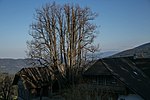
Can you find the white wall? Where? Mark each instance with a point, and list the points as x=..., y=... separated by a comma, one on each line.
x=130, y=97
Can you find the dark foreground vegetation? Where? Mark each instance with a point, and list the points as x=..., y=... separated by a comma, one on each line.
x=7, y=90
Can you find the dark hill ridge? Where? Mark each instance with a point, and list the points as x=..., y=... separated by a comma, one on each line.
x=142, y=51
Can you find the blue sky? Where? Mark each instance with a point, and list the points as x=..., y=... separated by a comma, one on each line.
x=123, y=24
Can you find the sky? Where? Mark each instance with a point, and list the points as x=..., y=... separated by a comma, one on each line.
x=123, y=24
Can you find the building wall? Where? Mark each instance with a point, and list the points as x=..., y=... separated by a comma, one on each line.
x=130, y=97
x=104, y=87
x=22, y=92
x=34, y=92
x=105, y=80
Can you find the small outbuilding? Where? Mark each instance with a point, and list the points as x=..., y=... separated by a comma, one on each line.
x=35, y=82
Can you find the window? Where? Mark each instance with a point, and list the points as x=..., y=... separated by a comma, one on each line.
x=101, y=80
x=110, y=80
x=121, y=99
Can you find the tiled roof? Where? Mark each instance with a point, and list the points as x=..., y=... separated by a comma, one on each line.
x=34, y=77
x=97, y=69
x=144, y=65
x=126, y=71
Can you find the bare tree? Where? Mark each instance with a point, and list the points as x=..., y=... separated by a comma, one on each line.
x=61, y=35
x=6, y=89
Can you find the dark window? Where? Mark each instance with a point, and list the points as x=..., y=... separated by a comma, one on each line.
x=111, y=81
x=55, y=87
x=122, y=99
x=101, y=80
x=45, y=91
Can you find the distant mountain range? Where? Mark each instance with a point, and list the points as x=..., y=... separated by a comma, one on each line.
x=142, y=51
x=12, y=66
x=107, y=54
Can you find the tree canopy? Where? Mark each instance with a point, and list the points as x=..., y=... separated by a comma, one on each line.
x=61, y=37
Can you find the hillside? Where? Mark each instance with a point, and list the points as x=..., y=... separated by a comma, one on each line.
x=11, y=66
x=142, y=51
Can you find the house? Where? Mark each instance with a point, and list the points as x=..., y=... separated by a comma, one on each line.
x=118, y=78
x=35, y=82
